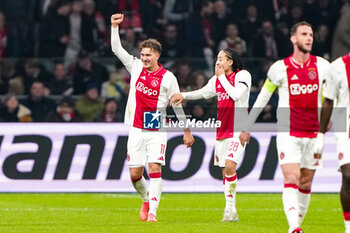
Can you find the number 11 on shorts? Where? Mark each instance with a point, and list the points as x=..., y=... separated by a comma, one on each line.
x=162, y=149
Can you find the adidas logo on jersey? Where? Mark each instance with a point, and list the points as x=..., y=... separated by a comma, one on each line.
x=219, y=86
x=294, y=77
x=161, y=158
x=143, y=77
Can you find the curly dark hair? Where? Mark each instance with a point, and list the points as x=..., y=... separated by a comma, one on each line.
x=232, y=54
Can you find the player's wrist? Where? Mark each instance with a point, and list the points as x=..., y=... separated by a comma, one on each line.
x=187, y=131
x=320, y=136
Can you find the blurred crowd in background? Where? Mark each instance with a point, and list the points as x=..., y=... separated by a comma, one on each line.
x=56, y=64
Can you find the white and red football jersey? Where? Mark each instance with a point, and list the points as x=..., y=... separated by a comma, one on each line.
x=338, y=84
x=299, y=89
x=232, y=104
x=149, y=91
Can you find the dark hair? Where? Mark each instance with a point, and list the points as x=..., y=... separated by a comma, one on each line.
x=237, y=59
x=67, y=100
x=153, y=44
x=295, y=27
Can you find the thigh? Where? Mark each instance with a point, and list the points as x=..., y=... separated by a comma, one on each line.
x=136, y=148
x=291, y=173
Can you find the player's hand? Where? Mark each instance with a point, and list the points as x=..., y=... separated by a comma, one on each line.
x=188, y=138
x=64, y=39
x=116, y=19
x=244, y=137
x=176, y=99
x=219, y=70
x=318, y=146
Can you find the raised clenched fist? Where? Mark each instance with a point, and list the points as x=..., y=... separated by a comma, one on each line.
x=117, y=19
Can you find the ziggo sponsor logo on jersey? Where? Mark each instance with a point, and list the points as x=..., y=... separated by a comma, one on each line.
x=223, y=96
x=146, y=90
x=297, y=89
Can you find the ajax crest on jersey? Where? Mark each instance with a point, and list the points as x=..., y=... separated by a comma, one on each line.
x=312, y=75
x=154, y=83
x=151, y=120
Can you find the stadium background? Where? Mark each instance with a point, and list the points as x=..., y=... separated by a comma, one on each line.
x=56, y=52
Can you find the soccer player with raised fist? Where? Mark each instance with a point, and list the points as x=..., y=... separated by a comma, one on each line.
x=150, y=89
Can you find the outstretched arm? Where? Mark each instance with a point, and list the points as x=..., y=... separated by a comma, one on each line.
x=206, y=92
x=263, y=98
x=117, y=48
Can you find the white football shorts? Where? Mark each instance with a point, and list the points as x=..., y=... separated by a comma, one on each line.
x=146, y=146
x=228, y=149
x=292, y=149
x=343, y=148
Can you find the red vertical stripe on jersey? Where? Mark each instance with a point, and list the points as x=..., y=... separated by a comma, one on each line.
x=226, y=109
x=147, y=93
x=346, y=60
x=303, y=85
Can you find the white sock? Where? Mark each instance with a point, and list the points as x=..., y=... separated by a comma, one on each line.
x=230, y=192
x=304, y=201
x=155, y=191
x=347, y=226
x=347, y=221
x=290, y=204
x=140, y=186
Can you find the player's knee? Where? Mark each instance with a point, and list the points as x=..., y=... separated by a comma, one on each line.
x=154, y=168
x=135, y=177
x=291, y=179
x=306, y=185
x=230, y=169
x=136, y=173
